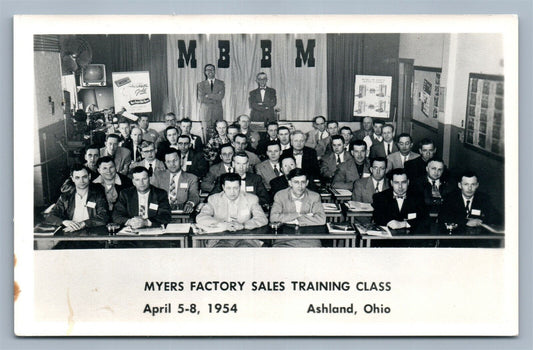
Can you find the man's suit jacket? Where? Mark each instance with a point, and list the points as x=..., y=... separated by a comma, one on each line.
x=328, y=164
x=210, y=180
x=347, y=174
x=415, y=168
x=262, y=147
x=360, y=134
x=65, y=205
x=254, y=185
x=414, y=210
x=125, y=182
x=378, y=150
x=127, y=206
x=196, y=164
x=422, y=187
x=394, y=160
x=363, y=189
x=210, y=101
x=280, y=183
x=249, y=212
x=253, y=140
x=253, y=160
x=187, y=189
x=284, y=208
x=157, y=165
x=162, y=148
x=262, y=111
x=265, y=170
x=150, y=135
x=122, y=159
x=313, y=137
x=323, y=147
x=453, y=210
x=196, y=143
x=309, y=161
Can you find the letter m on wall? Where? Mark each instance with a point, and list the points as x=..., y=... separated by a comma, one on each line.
x=187, y=55
x=307, y=56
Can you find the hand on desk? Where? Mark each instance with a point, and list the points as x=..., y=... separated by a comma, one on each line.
x=71, y=226
x=137, y=222
x=395, y=224
x=234, y=226
x=188, y=208
x=474, y=222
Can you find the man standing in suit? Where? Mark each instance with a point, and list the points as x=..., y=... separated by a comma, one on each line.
x=191, y=161
x=262, y=101
x=305, y=157
x=467, y=207
x=149, y=160
x=182, y=187
x=387, y=146
x=233, y=210
x=318, y=133
x=240, y=142
x=366, y=129
x=270, y=168
x=416, y=168
x=225, y=166
x=355, y=168
x=210, y=93
x=398, y=159
x=433, y=187
x=111, y=181
x=196, y=141
x=121, y=155
x=331, y=162
x=365, y=188
x=399, y=208
x=142, y=205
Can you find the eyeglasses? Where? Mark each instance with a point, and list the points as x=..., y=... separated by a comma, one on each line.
x=148, y=150
x=184, y=143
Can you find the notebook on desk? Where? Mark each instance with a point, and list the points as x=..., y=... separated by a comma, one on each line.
x=341, y=192
x=359, y=206
x=150, y=231
x=331, y=208
x=46, y=229
x=371, y=229
x=178, y=228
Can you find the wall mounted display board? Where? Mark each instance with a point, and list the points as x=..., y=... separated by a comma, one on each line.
x=131, y=90
x=372, y=96
x=426, y=95
x=484, y=129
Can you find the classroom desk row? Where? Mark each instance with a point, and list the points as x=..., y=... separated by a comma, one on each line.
x=400, y=238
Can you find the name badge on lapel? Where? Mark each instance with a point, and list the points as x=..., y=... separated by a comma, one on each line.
x=153, y=206
x=184, y=185
x=249, y=188
x=366, y=175
x=91, y=205
x=476, y=212
x=411, y=216
x=189, y=162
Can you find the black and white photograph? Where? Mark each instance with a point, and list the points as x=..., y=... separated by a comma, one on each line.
x=153, y=150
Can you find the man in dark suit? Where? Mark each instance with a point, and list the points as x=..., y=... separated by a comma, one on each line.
x=111, y=182
x=251, y=183
x=210, y=93
x=191, y=161
x=433, y=187
x=331, y=162
x=365, y=188
x=416, y=168
x=323, y=146
x=170, y=140
x=306, y=158
x=196, y=141
x=262, y=101
x=225, y=166
x=287, y=163
x=355, y=168
x=142, y=205
x=468, y=207
x=271, y=135
x=121, y=155
x=366, y=129
x=387, y=146
x=399, y=208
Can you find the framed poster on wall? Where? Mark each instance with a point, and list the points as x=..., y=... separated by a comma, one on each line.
x=484, y=129
x=131, y=90
x=426, y=95
x=372, y=96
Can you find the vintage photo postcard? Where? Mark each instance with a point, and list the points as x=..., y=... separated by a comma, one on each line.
x=266, y=175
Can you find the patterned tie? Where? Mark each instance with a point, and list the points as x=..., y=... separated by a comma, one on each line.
x=467, y=208
x=172, y=192
x=142, y=211
x=276, y=171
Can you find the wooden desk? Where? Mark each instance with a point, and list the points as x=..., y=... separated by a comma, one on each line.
x=181, y=217
x=284, y=232
x=338, y=197
x=100, y=234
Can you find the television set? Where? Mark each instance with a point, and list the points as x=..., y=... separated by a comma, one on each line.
x=93, y=75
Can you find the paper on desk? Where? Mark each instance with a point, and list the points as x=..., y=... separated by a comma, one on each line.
x=46, y=229
x=359, y=206
x=177, y=211
x=127, y=230
x=330, y=207
x=373, y=230
x=342, y=192
x=178, y=228
x=213, y=228
x=492, y=228
x=332, y=229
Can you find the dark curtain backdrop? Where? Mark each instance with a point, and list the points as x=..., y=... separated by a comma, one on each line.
x=365, y=54
x=138, y=52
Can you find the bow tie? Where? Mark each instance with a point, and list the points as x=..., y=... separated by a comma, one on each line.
x=263, y=89
x=399, y=197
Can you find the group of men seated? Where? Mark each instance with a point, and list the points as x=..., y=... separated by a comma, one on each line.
x=140, y=176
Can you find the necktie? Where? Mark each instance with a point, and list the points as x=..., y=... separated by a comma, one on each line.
x=230, y=170
x=388, y=149
x=211, y=85
x=467, y=208
x=138, y=156
x=338, y=159
x=399, y=197
x=142, y=211
x=434, y=189
x=184, y=163
x=150, y=170
x=376, y=190
x=172, y=191
x=276, y=171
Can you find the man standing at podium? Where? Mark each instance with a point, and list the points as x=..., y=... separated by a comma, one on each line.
x=262, y=101
x=210, y=93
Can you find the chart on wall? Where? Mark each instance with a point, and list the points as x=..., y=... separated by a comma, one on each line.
x=131, y=90
x=426, y=95
x=372, y=96
x=484, y=113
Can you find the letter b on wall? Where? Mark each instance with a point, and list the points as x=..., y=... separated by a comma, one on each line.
x=266, y=48
x=223, y=50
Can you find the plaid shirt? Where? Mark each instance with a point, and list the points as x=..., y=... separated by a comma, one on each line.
x=213, y=147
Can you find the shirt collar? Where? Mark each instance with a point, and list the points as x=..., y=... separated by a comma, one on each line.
x=100, y=180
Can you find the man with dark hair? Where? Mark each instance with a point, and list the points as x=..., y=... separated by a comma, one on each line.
x=170, y=140
x=233, y=129
x=262, y=101
x=232, y=210
x=467, y=206
x=212, y=148
x=251, y=183
x=377, y=134
x=85, y=206
x=121, y=155
x=305, y=157
x=347, y=134
x=244, y=128
x=284, y=136
x=271, y=135
x=148, y=134
x=110, y=181
x=331, y=162
x=398, y=207
x=324, y=146
x=365, y=188
x=191, y=161
x=170, y=120
x=196, y=141
x=91, y=155
x=240, y=143
x=357, y=167
x=367, y=129
x=149, y=161
x=210, y=93
x=142, y=205
x=416, y=168
x=404, y=153
x=318, y=133
x=433, y=187
x=136, y=136
x=124, y=129
x=299, y=206
x=182, y=187
x=225, y=166
x=387, y=146
x=270, y=168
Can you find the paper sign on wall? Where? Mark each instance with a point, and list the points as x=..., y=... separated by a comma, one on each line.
x=372, y=96
x=131, y=90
